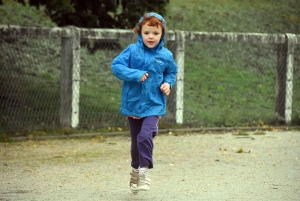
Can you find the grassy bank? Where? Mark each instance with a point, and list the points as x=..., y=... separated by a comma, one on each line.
x=225, y=84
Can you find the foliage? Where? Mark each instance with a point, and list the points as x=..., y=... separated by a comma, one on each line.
x=98, y=13
x=133, y=9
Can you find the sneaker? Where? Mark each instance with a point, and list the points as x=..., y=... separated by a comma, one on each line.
x=144, y=182
x=134, y=179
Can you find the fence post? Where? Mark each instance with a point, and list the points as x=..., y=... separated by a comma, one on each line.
x=284, y=80
x=175, y=100
x=70, y=77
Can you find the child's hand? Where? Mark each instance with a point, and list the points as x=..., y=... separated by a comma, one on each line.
x=165, y=88
x=144, y=77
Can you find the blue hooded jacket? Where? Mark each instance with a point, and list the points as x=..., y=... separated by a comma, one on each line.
x=142, y=99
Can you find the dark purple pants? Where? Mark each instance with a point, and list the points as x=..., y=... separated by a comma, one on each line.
x=142, y=132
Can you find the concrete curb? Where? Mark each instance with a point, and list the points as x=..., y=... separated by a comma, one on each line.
x=161, y=131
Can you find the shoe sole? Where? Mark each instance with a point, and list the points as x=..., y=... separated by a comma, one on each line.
x=143, y=188
x=134, y=189
x=137, y=189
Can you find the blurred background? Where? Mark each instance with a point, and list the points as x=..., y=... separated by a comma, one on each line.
x=225, y=84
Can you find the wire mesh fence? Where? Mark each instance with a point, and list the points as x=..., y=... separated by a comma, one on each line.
x=229, y=84
x=49, y=82
x=100, y=91
x=29, y=83
x=296, y=87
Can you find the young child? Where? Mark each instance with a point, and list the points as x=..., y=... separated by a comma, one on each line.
x=148, y=71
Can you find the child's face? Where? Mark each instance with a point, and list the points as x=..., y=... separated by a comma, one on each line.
x=151, y=35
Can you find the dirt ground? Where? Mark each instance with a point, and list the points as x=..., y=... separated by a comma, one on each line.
x=229, y=166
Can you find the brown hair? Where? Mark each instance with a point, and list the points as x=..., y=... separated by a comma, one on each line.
x=151, y=21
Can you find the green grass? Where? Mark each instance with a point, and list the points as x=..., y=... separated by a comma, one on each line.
x=233, y=84
x=257, y=16
x=227, y=89
x=225, y=84
x=13, y=13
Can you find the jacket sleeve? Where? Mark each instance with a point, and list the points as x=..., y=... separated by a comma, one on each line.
x=170, y=72
x=121, y=67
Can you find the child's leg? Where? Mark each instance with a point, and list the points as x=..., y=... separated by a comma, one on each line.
x=135, y=126
x=145, y=141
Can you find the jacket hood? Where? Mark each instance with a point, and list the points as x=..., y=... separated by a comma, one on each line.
x=162, y=40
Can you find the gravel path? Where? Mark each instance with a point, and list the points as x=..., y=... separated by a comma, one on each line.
x=186, y=167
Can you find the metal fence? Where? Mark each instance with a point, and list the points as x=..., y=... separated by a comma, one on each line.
x=52, y=78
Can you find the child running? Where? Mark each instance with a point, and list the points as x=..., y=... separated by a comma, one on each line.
x=148, y=72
